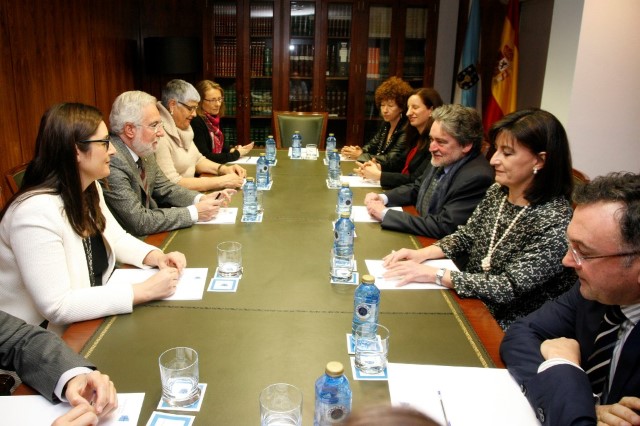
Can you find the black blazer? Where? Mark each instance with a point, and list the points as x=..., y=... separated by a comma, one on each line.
x=202, y=139
x=562, y=395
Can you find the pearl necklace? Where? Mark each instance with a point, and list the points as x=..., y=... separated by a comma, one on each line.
x=486, y=262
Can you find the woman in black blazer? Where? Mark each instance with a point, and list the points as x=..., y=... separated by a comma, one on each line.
x=207, y=134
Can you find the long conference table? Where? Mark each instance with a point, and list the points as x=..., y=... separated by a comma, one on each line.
x=286, y=320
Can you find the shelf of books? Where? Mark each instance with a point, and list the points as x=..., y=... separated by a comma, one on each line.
x=261, y=34
x=378, y=59
x=301, y=55
x=415, y=45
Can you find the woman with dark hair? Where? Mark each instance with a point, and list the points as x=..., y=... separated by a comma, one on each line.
x=207, y=134
x=58, y=241
x=388, y=146
x=516, y=238
x=420, y=106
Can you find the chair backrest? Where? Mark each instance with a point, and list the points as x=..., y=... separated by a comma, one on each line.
x=14, y=177
x=311, y=125
x=1, y=198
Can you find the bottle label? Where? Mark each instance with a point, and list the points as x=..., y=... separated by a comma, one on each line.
x=336, y=413
x=365, y=311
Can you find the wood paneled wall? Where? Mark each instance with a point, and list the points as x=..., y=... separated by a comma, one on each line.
x=77, y=51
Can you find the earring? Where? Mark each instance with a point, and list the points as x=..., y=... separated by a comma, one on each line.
x=171, y=112
x=535, y=170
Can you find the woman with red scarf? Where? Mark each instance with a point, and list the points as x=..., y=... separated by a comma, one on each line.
x=207, y=134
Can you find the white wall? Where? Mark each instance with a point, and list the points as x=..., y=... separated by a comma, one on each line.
x=446, y=48
x=595, y=91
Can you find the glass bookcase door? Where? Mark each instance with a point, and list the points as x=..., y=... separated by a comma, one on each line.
x=338, y=59
x=261, y=43
x=301, y=55
x=225, y=63
x=415, y=44
x=378, y=63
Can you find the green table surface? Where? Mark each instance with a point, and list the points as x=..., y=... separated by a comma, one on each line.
x=286, y=320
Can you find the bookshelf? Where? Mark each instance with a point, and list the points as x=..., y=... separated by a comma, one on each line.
x=314, y=55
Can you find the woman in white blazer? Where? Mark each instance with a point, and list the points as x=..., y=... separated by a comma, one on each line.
x=58, y=240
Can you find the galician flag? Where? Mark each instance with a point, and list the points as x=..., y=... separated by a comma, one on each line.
x=504, y=84
x=468, y=86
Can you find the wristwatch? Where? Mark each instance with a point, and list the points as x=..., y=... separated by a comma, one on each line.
x=440, y=275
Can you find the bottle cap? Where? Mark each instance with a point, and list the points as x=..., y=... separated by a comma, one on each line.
x=297, y=131
x=368, y=279
x=334, y=150
x=270, y=137
x=249, y=179
x=345, y=184
x=330, y=134
x=334, y=369
x=345, y=214
x=262, y=154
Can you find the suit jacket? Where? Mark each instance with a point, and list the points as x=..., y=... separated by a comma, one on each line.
x=202, y=139
x=124, y=195
x=38, y=356
x=417, y=165
x=467, y=188
x=392, y=155
x=562, y=395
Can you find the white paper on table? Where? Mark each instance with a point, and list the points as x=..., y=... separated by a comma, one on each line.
x=36, y=410
x=377, y=270
x=303, y=154
x=360, y=214
x=246, y=160
x=225, y=216
x=470, y=395
x=342, y=159
x=190, y=285
x=359, y=182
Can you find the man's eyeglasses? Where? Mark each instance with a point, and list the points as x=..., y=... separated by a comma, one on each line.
x=154, y=126
x=191, y=108
x=214, y=100
x=105, y=142
x=579, y=258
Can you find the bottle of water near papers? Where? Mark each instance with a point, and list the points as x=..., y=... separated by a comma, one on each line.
x=366, y=303
x=334, y=169
x=345, y=199
x=296, y=145
x=262, y=172
x=333, y=396
x=270, y=148
x=249, y=199
x=330, y=145
x=342, y=259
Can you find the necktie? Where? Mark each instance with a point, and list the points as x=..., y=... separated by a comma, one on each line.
x=143, y=178
x=428, y=193
x=599, y=362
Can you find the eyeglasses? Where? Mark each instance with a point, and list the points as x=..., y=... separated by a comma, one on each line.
x=154, y=126
x=214, y=100
x=104, y=142
x=191, y=109
x=579, y=258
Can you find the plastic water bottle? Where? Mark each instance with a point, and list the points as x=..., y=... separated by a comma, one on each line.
x=366, y=303
x=262, y=172
x=249, y=199
x=342, y=259
x=330, y=145
x=296, y=145
x=333, y=396
x=334, y=169
x=345, y=199
x=270, y=148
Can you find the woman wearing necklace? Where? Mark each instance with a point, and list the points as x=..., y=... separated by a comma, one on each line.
x=387, y=147
x=515, y=239
x=58, y=241
x=207, y=134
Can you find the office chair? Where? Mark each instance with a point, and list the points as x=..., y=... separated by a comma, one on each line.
x=311, y=125
x=14, y=177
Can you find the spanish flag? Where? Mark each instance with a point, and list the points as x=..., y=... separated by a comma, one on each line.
x=504, y=84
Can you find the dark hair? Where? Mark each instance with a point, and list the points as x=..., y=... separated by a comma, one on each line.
x=396, y=89
x=463, y=123
x=54, y=168
x=621, y=188
x=386, y=415
x=431, y=98
x=540, y=131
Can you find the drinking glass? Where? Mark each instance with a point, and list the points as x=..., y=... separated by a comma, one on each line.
x=179, y=376
x=371, y=348
x=230, y=259
x=281, y=405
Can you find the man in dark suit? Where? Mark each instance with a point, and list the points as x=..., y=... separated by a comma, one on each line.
x=558, y=354
x=46, y=364
x=450, y=187
x=138, y=193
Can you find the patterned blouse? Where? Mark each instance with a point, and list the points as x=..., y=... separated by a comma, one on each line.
x=526, y=267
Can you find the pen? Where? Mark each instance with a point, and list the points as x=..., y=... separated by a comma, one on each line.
x=446, y=420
